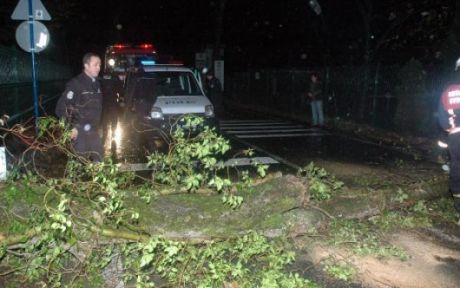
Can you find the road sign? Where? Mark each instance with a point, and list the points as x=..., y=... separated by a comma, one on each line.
x=41, y=36
x=32, y=10
x=200, y=60
x=39, y=12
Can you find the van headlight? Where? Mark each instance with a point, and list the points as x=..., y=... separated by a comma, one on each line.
x=156, y=113
x=209, y=110
x=442, y=144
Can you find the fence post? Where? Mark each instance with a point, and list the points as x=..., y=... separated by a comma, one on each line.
x=2, y=164
x=326, y=89
x=374, y=100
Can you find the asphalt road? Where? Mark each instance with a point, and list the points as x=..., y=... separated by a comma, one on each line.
x=284, y=144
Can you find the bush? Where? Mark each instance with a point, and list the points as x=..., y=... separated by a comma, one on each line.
x=414, y=112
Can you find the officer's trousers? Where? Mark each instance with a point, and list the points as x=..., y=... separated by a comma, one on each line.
x=89, y=145
x=454, y=176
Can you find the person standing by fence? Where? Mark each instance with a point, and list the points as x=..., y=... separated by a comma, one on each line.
x=315, y=95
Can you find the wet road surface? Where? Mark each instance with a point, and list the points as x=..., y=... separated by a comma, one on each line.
x=275, y=141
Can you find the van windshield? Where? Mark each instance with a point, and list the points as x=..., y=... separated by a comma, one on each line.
x=169, y=84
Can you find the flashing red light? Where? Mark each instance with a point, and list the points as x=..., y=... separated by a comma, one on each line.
x=120, y=46
x=146, y=46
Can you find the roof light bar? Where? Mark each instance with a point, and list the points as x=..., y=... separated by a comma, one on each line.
x=148, y=62
x=146, y=45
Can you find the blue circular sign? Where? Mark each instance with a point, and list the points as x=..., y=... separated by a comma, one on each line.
x=41, y=36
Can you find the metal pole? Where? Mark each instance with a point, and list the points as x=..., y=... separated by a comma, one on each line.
x=374, y=98
x=32, y=50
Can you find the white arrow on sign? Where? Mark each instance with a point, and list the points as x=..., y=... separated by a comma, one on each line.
x=39, y=12
x=41, y=36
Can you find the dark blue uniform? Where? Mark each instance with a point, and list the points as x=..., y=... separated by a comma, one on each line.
x=81, y=106
x=449, y=119
x=113, y=96
x=213, y=90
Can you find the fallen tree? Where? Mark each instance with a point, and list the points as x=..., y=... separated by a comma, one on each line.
x=83, y=220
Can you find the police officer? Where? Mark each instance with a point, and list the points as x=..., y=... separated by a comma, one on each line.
x=213, y=90
x=81, y=106
x=449, y=119
x=113, y=101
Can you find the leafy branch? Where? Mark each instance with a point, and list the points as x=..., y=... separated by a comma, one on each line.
x=84, y=223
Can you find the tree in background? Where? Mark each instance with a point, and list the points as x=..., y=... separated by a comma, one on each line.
x=413, y=113
x=396, y=31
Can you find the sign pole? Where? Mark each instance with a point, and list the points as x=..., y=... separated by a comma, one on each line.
x=31, y=11
x=34, y=73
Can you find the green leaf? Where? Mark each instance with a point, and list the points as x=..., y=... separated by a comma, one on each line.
x=146, y=260
x=172, y=250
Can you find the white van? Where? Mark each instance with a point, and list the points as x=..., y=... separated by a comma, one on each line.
x=160, y=95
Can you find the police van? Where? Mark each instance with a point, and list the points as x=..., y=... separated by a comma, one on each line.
x=124, y=56
x=161, y=95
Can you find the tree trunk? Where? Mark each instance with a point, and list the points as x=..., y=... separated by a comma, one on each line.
x=451, y=46
x=366, y=13
x=219, y=30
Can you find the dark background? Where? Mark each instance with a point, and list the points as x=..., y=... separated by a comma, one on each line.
x=254, y=33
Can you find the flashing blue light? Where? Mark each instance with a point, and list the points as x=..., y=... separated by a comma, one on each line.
x=148, y=62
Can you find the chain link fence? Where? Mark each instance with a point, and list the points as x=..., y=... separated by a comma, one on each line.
x=16, y=95
x=360, y=93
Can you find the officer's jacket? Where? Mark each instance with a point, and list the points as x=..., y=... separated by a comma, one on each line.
x=112, y=90
x=81, y=103
x=213, y=86
x=449, y=107
x=316, y=90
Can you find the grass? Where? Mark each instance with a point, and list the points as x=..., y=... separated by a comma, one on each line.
x=339, y=269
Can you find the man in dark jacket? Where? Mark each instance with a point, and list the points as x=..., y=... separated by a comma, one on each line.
x=213, y=89
x=81, y=106
x=449, y=119
x=315, y=93
x=113, y=99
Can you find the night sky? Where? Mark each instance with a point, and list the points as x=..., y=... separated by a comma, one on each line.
x=257, y=33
